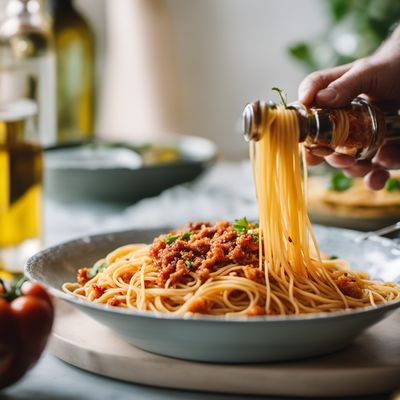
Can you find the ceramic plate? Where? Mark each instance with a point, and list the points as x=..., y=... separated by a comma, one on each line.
x=375, y=210
x=216, y=339
x=125, y=172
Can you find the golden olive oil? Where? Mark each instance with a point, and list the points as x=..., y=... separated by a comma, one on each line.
x=74, y=45
x=20, y=194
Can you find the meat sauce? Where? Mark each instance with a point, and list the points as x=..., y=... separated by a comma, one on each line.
x=348, y=284
x=202, y=248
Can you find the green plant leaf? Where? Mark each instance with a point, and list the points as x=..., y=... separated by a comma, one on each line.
x=339, y=9
x=340, y=182
x=392, y=184
x=301, y=51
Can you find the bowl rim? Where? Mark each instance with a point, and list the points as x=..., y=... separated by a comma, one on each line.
x=313, y=317
x=210, y=157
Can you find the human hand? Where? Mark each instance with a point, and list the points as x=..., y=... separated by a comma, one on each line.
x=26, y=318
x=375, y=77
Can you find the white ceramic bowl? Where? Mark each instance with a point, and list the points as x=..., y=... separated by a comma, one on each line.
x=217, y=339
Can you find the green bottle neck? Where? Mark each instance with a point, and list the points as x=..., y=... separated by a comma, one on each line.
x=61, y=6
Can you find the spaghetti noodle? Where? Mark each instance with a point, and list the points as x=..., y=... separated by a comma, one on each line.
x=239, y=268
x=341, y=126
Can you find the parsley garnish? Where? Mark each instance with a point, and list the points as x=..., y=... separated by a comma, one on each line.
x=96, y=269
x=392, y=184
x=241, y=225
x=340, y=182
x=281, y=93
x=254, y=233
x=333, y=258
x=171, y=239
x=189, y=263
x=186, y=235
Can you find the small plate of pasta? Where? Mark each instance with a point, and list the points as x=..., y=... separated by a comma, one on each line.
x=337, y=200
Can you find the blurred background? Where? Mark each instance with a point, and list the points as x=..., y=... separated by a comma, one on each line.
x=100, y=86
x=190, y=66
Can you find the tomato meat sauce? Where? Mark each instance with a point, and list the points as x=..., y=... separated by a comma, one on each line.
x=203, y=248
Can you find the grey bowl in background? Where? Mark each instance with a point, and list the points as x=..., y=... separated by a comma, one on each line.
x=124, y=180
x=218, y=339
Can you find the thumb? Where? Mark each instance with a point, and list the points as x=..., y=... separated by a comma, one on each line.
x=360, y=78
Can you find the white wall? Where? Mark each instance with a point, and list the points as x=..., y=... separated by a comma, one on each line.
x=234, y=51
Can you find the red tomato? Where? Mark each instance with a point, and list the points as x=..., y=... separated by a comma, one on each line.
x=7, y=337
x=34, y=289
x=34, y=318
x=25, y=325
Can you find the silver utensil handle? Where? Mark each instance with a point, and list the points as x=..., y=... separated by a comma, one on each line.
x=380, y=232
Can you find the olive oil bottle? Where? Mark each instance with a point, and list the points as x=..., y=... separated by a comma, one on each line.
x=74, y=44
x=20, y=185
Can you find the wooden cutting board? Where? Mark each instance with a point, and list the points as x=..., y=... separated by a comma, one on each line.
x=371, y=365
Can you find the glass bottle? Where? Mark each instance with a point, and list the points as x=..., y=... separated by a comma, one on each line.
x=368, y=126
x=20, y=184
x=27, y=62
x=74, y=44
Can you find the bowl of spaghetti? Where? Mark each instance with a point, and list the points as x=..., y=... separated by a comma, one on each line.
x=241, y=291
x=244, y=337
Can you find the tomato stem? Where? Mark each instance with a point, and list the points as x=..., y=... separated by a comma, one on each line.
x=13, y=290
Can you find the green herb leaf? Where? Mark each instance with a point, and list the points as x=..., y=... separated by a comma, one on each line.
x=340, y=182
x=96, y=269
x=241, y=225
x=171, y=239
x=392, y=184
x=186, y=235
x=254, y=233
x=281, y=93
x=189, y=263
x=333, y=257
